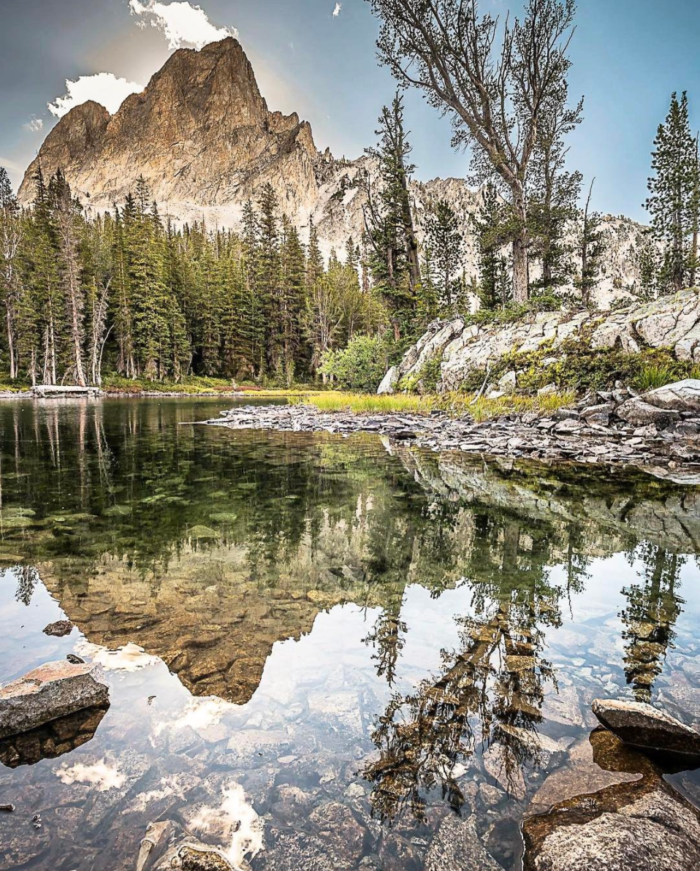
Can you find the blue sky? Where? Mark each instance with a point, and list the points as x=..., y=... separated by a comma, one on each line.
x=629, y=55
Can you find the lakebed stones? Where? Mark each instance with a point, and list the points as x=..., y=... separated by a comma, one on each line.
x=627, y=826
x=456, y=846
x=640, y=725
x=51, y=691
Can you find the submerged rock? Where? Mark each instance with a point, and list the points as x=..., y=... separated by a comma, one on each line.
x=625, y=828
x=154, y=844
x=457, y=846
x=643, y=726
x=51, y=691
x=59, y=629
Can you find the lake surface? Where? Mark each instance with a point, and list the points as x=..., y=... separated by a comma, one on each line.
x=322, y=651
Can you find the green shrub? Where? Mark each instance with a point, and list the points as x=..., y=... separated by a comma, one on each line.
x=360, y=366
x=653, y=376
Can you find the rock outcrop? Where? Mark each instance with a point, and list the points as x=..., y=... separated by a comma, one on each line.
x=51, y=691
x=671, y=322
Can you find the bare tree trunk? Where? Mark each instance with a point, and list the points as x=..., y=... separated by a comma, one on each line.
x=521, y=278
x=11, y=342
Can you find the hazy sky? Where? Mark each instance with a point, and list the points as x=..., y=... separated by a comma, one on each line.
x=317, y=57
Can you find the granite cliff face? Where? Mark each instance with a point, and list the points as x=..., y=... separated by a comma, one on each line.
x=202, y=136
x=671, y=322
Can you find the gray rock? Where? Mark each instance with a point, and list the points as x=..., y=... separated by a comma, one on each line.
x=640, y=725
x=51, y=691
x=389, y=382
x=682, y=396
x=508, y=382
x=639, y=413
x=598, y=413
x=457, y=847
x=630, y=828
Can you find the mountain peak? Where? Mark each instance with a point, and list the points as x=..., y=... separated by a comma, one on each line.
x=201, y=135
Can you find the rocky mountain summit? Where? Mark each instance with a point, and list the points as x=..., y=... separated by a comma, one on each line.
x=204, y=139
x=201, y=135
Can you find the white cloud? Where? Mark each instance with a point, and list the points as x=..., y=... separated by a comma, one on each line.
x=34, y=125
x=100, y=775
x=104, y=88
x=338, y=9
x=184, y=25
x=235, y=821
x=128, y=658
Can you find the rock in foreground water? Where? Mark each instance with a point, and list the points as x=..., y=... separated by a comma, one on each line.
x=649, y=830
x=53, y=690
x=643, y=726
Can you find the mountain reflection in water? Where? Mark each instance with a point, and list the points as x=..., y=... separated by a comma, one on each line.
x=477, y=608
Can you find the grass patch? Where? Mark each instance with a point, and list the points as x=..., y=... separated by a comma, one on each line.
x=452, y=404
x=368, y=403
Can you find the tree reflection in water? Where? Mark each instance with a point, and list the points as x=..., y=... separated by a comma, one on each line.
x=651, y=613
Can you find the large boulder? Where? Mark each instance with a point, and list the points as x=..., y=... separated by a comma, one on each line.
x=638, y=412
x=625, y=828
x=662, y=406
x=54, y=690
x=640, y=725
x=644, y=825
x=680, y=396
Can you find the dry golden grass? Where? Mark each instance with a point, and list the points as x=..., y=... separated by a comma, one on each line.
x=453, y=404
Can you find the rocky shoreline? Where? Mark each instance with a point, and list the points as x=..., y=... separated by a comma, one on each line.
x=605, y=429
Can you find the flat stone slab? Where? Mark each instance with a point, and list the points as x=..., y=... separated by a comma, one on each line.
x=53, y=690
x=643, y=726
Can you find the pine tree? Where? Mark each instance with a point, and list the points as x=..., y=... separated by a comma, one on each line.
x=591, y=249
x=489, y=225
x=43, y=303
x=67, y=214
x=648, y=265
x=389, y=223
x=269, y=277
x=673, y=202
x=293, y=301
x=445, y=242
x=10, y=271
x=553, y=192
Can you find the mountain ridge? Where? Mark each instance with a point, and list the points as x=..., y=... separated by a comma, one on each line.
x=205, y=140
